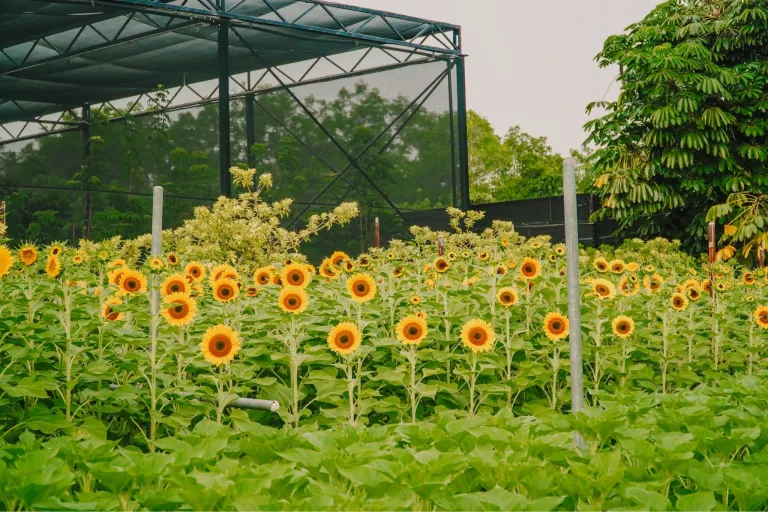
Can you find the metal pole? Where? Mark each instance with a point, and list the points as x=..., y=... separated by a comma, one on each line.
x=574, y=290
x=85, y=137
x=157, y=234
x=239, y=403
x=225, y=179
x=250, y=130
x=461, y=94
x=454, y=184
x=377, y=237
x=440, y=244
x=712, y=250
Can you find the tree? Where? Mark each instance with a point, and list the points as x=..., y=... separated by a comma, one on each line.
x=488, y=158
x=689, y=127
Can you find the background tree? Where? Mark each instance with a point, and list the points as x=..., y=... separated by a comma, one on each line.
x=689, y=127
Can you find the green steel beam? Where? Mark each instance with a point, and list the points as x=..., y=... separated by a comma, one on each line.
x=461, y=94
x=225, y=179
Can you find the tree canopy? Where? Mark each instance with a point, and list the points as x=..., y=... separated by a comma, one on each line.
x=689, y=127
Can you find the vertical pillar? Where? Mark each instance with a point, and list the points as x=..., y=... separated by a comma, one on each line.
x=225, y=179
x=157, y=234
x=454, y=180
x=461, y=94
x=574, y=289
x=85, y=135
x=250, y=129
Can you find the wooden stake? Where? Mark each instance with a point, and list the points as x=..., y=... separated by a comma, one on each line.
x=440, y=245
x=377, y=237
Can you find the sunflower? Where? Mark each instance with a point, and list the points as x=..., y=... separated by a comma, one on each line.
x=223, y=272
x=505, y=242
x=6, y=260
x=411, y=330
x=426, y=269
x=530, y=268
x=600, y=264
x=465, y=254
x=103, y=256
x=721, y=286
x=603, y=289
x=653, y=283
x=484, y=255
x=693, y=294
x=679, y=302
x=430, y=283
x=761, y=316
x=361, y=287
x=689, y=283
x=295, y=274
x=478, y=336
x=706, y=285
x=132, y=282
x=397, y=272
x=293, y=300
x=179, y=309
x=560, y=250
x=390, y=255
x=451, y=256
x=552, y=258
x=28, y=254
x=555, y=326
x=176, y=283
x=421, y=315
x=225, y=290
x=195, y=270
x=536, y=244
x=116, y=275
x=345, y=338
x=220, y=344
x=53, y=266
x=108, y=313
x=119, y=262
x=562, y=271
x=748, y=278
x=632, y=267
x=263, y=276
x=628, y=287
x=442, y=264
x=327, y=270
x=78, y=259
x=511, y=264
x=172, y=259
x=415, y=300
x=55, y=250
x=338, y=258
x=156, y=263
x=623, y=326
x=750, y=298
x=507, y=297
x=364, y=260
x=349, y=266
x=501, y=270
x=617, y=266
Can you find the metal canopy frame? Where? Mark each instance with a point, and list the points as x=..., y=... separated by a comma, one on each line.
x=229, y=24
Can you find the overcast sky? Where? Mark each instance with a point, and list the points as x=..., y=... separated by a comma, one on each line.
x=531, y=62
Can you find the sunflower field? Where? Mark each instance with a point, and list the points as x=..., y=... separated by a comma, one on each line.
x=409, y=377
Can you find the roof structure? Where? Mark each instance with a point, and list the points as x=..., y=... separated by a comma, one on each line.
x=61, y=54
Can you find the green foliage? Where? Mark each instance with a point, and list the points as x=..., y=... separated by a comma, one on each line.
x=689, y=126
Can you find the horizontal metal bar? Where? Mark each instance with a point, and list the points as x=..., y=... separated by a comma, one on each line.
x=239, y=403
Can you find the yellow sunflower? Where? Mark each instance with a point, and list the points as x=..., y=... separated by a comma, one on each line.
x=53, y=266
x=511, y=264
x=345, y=338
x=501, y=270
x=176, y=283
x=349, y=266
x=6, y=260
x=507, y=297
x=107, y=311
x=484, y=255
x=103, y=255
x=679, y=302
x=628, y=287
x=693, y=294
x=465, y=254
x=421, y=315
x=442, y=264
x=196, y=270
x=338, y=258
x=555, y=326
x=293, y=300
x=560, y=250
x=155, y=263
x=415, y=300
x=653, y=283
x=225, y=290
x=600, y=264
x=530, y=268
x=55, y=250
x=361, y=287
x=411, y=330
x=220, y=344
x=172, y=259
x=397, y=272
x=78, y=258
x=263, y=276
x=179, y=309
x=327, y=270
x=623, y=326
x=116, y=275
x=477, y=335
x=119, y=262
x=28, y=254
x=251, y=291
x=295, y=275
x=132, y=282
x=617, y=266
x=223, y=272
x=761, y=317
x=748, y=278
x=603, y=289
x=706, y=285
x=426, y=269
x=632, y=267
x=364, y=260
x=552, y=258
x=451, y=256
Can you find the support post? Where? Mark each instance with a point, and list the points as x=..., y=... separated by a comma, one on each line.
x=574, y=289
x=2, y=213
x=157, y=233
x=225, y=179
x=461, y=95
x=452, y=125
x=250, y=129
x=440, y=244
x=760, y=254
x=85, y=137
x=712, y=253
x=377, y=236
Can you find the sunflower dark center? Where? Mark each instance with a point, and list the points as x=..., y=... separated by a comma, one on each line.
x=345, y=339
x=293, y=301
x=557, y=325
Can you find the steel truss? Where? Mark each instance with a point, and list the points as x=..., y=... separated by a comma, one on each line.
x=422, y=41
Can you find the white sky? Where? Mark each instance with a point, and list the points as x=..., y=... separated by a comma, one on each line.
x=531, y=62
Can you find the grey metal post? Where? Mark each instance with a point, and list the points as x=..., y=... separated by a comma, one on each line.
x=157, y=233
x=574, y=290
x=225, y=179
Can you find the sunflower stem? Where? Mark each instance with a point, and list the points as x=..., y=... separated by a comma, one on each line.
x=555, y=371
x=351, y=391
x=293, y=350
x=154, y=301
x=472, y=382
x=510, y=354
x=598, y=344
x=412, y=360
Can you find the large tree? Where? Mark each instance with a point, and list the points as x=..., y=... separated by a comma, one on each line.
x=689, y=127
